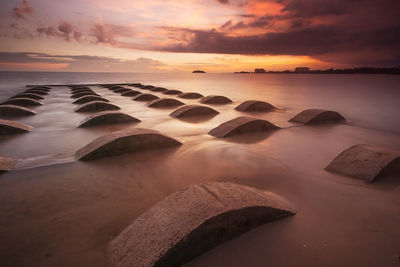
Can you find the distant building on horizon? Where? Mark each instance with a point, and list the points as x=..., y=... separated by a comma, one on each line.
x=302, y=69
x=259, y=71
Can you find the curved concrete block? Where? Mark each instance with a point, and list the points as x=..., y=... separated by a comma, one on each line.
x=159, y=89
x=15, y=111
x=7, y=164
x=165, y=102
x=310, y=116
x=242, y=125
x=13, y=127
x=38, y=92
x=28, y=95
x=135, y=84
x=366, y=162
x=115, y=87
x=148, y=87
x=190, y=95
x=132, y=140
x=121, y=90
x=82, y=91
x=24, y=102
x=172, y=92
x=131, y=93
x=191, y=221
x=145, y=97
x=255, y=105
x=96, y=106
x=107, y=117
x=193, y=110
x=89, y=98
x=215, y=99
x=78, y=95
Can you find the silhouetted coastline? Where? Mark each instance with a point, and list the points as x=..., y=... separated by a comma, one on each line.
x=365, y=70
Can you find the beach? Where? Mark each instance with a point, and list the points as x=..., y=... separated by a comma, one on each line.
x=58, y=211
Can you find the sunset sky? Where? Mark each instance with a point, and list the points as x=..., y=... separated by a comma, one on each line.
x=183, y=35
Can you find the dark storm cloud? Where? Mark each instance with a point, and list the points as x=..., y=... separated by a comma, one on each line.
x=20, y=12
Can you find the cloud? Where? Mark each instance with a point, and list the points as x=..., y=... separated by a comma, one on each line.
x=21, y=11
x=108, y=33
x=223, y=1
x=42, y=61
x=64, y=30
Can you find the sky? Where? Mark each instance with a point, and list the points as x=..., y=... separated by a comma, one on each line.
x=184, y=35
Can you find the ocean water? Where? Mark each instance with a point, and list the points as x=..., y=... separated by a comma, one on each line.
x=370, y=101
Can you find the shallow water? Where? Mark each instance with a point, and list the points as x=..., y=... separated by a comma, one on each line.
x=65, y=214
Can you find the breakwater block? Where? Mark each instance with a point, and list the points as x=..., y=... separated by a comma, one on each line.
x=131, y=93
x=193, y=110
x=145, y=97
x=241, y=125
x=89, y=98
x=38, y=92
x=255, y=106
x=7, y=164
x=13, y=127
x=132, y=140
x=165, y=102
x=194, y=220
x=22, y=101
x=147, y=87
x=366, y=162
x=172, y=92
x=78, y=95
x=28, y=95
x=15, y=111
x=314, y=116
x=215, y=99
x=107, y=117
x=159, y=89
x=96, y=106
x=190, y=95
x=121, y=90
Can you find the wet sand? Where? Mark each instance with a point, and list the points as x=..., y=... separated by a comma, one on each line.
x=55, y=211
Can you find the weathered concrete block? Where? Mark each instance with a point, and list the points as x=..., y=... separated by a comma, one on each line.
x=107, y=117
x=366, y=162
x=191, y=221
x=121, y=90
x=172, y=92
x=15, y=111
x=313, y=116
x=13, y=127
x=78, y=95
x=115, y=87
x=145, y=97
x=132, y=140
x=38, y=92
x=89, y=98
x=22, y=101
x=147, y=87
x=165, y=102
x=135, y=84
x=96, y=106
x=193, y=110
x=190, y=95
x=215, y=99
x=7, y=164
x=28, y=95
x=131, y=93
x=159, y=89
x=241, y=125
x=255, y=106
x=76, y=91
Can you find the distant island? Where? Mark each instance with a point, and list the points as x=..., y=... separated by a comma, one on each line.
x=198, y=71
x=302, y=70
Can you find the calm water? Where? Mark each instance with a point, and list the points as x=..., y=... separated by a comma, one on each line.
x=370, y=101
